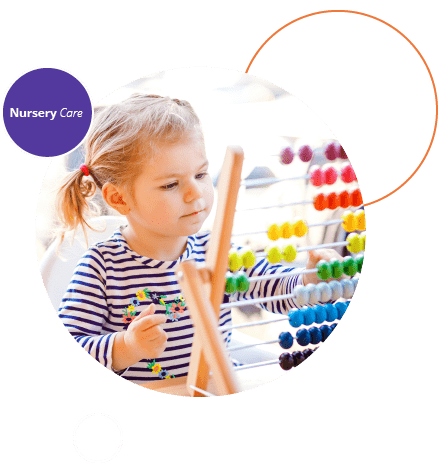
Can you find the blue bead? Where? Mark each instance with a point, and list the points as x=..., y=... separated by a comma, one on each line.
x=286, y=340
x=296, y=318
x=320, y=314
x=341, y=308
x=332, y=312
x=333, y=326
x=303, y=337
x=325, y=331
x=309, y=316
x=315, y=335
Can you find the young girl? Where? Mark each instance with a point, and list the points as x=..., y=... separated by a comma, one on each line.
x=123, y=305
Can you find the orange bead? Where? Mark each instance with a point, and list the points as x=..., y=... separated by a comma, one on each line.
x=349, y=223
x=300, y=228
x=320, y=202
x=274, y=232
x=333, y=201
x=356, y=198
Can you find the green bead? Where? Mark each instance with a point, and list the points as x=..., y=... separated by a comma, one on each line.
x=350, y=266
x=359, y=261
x=324, y=270
x=231, y=284
x=337, y=268
x=242, y=282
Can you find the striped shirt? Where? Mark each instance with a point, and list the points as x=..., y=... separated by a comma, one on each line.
x=111, y=284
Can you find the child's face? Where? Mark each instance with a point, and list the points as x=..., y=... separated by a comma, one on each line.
x=174, y=194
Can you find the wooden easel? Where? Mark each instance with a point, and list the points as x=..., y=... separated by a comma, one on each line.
x=203, y=288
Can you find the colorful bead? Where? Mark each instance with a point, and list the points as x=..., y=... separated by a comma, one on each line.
x=332, y=151
x=300, y=228
x=325, y=332
x=359, y=216
x=349, y=266
x=285, y=340
x=301, y=295
x=286, y=361
x=235, y=261
x=344, y=199
x=242, y=281
x=296, y=318
x=314, y=294
x=273, y=254
x=288, y=253
x=359, y=262
x=347, y=288
x=286, y=230
x=354, y=243
x=231, y=284
x=274, y=232
x=247, y=257
x=333, y=201
x=341, y=308
x=320, y=202
x=347, y=173
x=303, y=337
x=356, y=198
x=298, y=357
x=320, y=314
x=342, y=154
x=286, y=156
x=331, y=311
x=330, y=174
x=316, y=176
x=315, y=335
x=336, y=267
x=363, y=239
x=307, y=352
x=309, y=315
x=324, y=270
x=325, y=292
x=336, y=289
x=305, y=153
x=349, y=221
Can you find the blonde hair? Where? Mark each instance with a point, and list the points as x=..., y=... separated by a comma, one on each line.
x=120, y=138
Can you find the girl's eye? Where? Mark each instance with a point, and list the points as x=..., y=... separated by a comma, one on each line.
x=202, y=175
x=170, y=186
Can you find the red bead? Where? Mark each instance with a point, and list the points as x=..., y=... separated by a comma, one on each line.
x=330, y=175
x=347, y=174
x=331, y=151
x=305, y=153
x=344, y=199
x=333, y=201
x=320, y=202
x=316, y=176
x=356, y=198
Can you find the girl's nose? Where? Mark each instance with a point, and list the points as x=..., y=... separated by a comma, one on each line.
x=193, y=192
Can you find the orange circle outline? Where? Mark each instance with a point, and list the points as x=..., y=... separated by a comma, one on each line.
x=418, y=52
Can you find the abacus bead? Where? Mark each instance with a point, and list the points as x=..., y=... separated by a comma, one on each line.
x=336, y=289
x=344, y=199
x=341, y=308
x=286, y=361
x=316, y=176
x=347, y=173
x=301, y=295
x=315, y=335
x=343, y=154
x=349, y=265
x=296, y=318
x=286, y=230
x=303, y=337
x=330, y=175
x=288, y=253
x=355, y=281
x=307, y=352
x=231, y=285
x=286, y=156
x=274, y=232
x=248, y=258
x=333, y=201
x=332, y=312
x=298, y=357
x=273, y=255
x=305, y=153
x=354, y=243
x=324, y=270
x=285, y=340
x=349, y=221
x=359, y=259
x=325, y=332
x=333, y=326
x=331, y=151
x=320, y=202
x=356, y=198
x=336, y=266
x=325, y=292
x=360, y=219
x=242, y=281
x=235, y=261
x=300, y=228
x=320, y=314
x=363, y=240
x=314, y=294
x=347, y=288
x=309, y=315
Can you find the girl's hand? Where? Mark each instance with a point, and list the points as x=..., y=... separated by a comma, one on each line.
x=314, y=257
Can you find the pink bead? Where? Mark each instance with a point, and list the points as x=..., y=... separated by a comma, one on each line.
x=305, y=153
x=286, y=156
x=343, y=155
x=347, y=173
x=330, y=175
x=316, y=176
x=332, y=151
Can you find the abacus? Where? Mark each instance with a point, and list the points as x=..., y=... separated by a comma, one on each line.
x=321, y=305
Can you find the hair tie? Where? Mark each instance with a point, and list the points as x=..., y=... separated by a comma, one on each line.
x=85, y=170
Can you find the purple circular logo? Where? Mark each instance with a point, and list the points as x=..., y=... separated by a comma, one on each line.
x=47, y=112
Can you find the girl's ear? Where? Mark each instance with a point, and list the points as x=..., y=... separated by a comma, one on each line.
x=115, y=198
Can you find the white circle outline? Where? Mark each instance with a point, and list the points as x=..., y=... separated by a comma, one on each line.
x=46, y=67
x=81, y=421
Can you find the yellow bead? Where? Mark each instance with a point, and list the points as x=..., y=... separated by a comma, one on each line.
x=363, y=238
x=247, y=257
x=289, y=253
x=300, y=228
x=274, y=232
x=286, y=230
x=235, y=261
x=273, y=254
x=355, y=243
x=359, y=216
x=349, y=223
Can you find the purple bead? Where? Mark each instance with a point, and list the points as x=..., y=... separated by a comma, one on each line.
x=331, y=151
x=286, y=156
x=342, y=154
x=286, y=361
x=305, y=153
x=298, y=357
x=307, y=352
